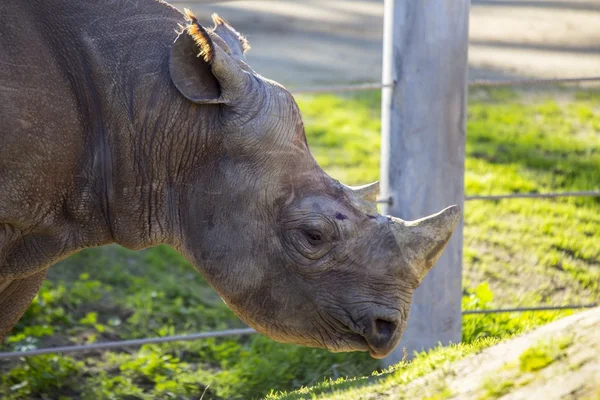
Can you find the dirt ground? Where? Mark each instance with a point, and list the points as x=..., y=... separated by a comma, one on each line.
x=306, y=42
x=560, y=360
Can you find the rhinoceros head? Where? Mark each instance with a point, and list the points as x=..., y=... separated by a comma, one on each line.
x=297, y=255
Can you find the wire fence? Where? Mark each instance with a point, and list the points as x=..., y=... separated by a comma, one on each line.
x=357, y=87
x=527, y=309
x=480, y=83
x=127, y=343
x=531, y=82
x=551, y=195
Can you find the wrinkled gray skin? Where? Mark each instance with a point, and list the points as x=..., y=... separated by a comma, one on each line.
x=113, y=131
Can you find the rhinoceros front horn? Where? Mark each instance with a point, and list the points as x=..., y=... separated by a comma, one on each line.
x=422, y=241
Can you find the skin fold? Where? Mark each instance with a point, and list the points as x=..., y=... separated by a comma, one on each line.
x=131, y=123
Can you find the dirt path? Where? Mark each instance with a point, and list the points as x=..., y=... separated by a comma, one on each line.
x=302, y=42
x=560, y=360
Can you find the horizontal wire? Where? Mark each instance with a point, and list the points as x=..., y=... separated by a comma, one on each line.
x=525, y=309
x=476, y=83
x=530, y=82
x=585, y=193
x=342, y=88
x=127, y=343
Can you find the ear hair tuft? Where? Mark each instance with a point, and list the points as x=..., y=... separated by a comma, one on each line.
x=243, y=41
x=218, y=20
x=200, y=36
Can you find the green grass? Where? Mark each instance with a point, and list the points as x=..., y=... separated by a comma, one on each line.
x=495, y=388
x=517, y=252
x=543, y=354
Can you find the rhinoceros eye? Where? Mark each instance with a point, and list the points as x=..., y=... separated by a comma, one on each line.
x=308, y=235
x=313, y=237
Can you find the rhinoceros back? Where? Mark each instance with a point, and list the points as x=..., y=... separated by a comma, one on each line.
x=70, y=73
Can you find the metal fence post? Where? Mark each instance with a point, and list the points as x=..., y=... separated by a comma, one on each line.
x=423, y=146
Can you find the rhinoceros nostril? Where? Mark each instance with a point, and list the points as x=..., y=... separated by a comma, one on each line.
x=384, y=329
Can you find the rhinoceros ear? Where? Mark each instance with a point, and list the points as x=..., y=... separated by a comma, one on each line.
x=202, y=70
x=237, y=43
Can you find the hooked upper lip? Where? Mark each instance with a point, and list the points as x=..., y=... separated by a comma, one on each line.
x=377, y=354
x=381, y=352
x=380, y=335
x=361, y=343
x=377, y=331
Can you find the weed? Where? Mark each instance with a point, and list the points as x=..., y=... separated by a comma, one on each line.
x=495, y=388
x=543, y=354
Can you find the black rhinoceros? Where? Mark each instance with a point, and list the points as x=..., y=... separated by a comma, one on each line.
x=128, y=122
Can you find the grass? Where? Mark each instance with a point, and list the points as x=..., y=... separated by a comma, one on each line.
x=496, y=388
x=517, y=252
x=543, y=354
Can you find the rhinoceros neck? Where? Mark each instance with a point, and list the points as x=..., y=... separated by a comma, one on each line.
x=154, y=141
x=152, y=161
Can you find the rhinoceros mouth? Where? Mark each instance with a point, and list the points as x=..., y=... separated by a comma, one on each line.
x=381, y=335
x=362, y=344
x=377, y=331
x=377, y=353
x=357, y=342
x=349, y=342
